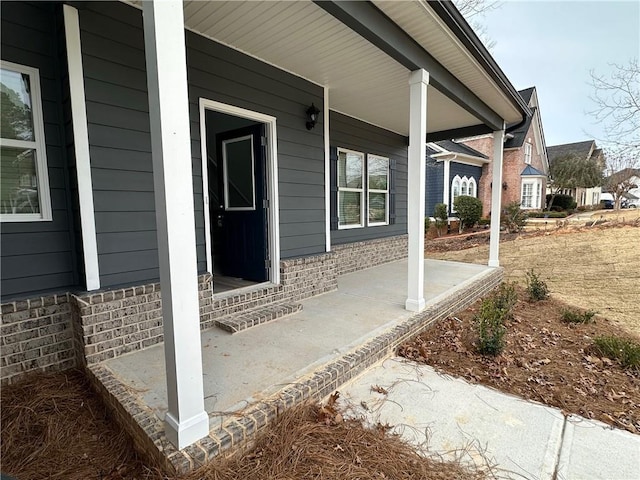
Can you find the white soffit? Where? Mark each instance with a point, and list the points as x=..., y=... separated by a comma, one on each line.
x=421, y=22
x=301, y=38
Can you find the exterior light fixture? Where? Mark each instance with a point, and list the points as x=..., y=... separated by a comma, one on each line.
x=312, y=116
x=504, y=185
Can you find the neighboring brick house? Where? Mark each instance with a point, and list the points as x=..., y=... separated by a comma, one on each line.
x=525, y=164
x=587, y=150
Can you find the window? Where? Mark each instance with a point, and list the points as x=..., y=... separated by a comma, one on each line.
x=24, y=184
x=531, y=194
x=462, y=186
x=455, y=189
x=350, y=189
x=527, y=153
x=527, y=195
x=378, y=189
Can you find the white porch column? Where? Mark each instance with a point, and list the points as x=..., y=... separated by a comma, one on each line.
x=418, y=81
x=446, y=195
x=496, y=197
x=186, y=420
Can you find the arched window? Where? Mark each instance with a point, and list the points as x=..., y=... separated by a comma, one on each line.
x=472, y=187
x=464, y=190
x=455, y=189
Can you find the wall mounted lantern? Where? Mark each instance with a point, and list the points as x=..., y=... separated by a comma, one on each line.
x=312, y=116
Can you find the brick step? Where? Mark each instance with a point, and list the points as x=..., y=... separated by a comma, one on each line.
x=256, y=316
x=234, y=302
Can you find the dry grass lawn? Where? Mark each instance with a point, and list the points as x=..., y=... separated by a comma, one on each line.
x=592, y=268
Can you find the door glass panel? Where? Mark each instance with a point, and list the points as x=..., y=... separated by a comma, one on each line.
x=15, y=105
x=18, y=181
x=238, y=179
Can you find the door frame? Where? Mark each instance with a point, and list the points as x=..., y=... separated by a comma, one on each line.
x=273, y=207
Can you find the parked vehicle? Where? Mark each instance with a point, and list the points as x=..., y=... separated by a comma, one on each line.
x=629, y=203
x=607, y=204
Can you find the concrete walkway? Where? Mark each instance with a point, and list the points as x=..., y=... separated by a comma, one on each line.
x=476, y=424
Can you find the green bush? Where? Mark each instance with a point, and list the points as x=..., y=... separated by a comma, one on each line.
x=563, y=202
x=624, y=350
x=536, y=288
x=505, y=298
x=468, y=209
x=513, y=218
x=490, y=320
x=574, y=316
x=547, y=214
x=484, y=222
x=427, y=224
x=441, y=214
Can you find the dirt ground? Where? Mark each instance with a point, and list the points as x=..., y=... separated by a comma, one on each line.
x=55, y=427
x=594, y=268
x=545, y=359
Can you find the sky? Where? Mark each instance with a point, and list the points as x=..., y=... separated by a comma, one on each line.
x=553, y=46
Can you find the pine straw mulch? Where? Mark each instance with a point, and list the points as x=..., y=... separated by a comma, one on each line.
x=545, y=360
x=54, y=426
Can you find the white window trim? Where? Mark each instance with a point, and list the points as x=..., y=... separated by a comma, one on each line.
x=528, y=151
x=373, y=190
x=472, y=181
x=348, y=189
x=38, y=144
x=536, y=194
x=456, y=180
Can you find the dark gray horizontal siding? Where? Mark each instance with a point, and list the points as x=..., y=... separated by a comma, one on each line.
x=37, y=257
x=435, y=185
x=356, y=135
x=117, y=111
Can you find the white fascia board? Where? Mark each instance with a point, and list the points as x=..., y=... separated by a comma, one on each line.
x=81, y=147
x=461, y=158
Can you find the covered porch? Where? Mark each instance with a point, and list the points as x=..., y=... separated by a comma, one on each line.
x=414, y=69
x=251, y=376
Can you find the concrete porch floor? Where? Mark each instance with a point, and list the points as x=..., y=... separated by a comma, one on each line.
x=364, y=318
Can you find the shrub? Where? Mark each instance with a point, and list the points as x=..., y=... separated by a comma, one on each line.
x=468, y=209
x=441, y=214
x=513, y=218
x=484, y=222
x=624, y=350
x=506, y=298
x=574, y=316
x=564, y=202
x=427, y=224
x=490, y=320
x=489, y=324
x=536, y=288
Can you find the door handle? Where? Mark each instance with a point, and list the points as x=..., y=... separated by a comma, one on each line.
x=220, y=218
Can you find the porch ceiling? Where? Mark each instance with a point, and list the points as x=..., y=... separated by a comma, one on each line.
x=364, y=82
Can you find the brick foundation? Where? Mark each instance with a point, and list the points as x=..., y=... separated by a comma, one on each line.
x=351, y=257
x=37, y=336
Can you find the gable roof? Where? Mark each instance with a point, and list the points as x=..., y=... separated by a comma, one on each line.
x=526, y=94
x=624, y=174
x=530, y=171
x=520, y=133
x=579, y=149
x=455, y=147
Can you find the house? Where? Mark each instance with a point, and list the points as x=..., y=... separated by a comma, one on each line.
x=155, y=153
x=525, y=163
x=453, y=169
x=623, y=185
x=588, y=151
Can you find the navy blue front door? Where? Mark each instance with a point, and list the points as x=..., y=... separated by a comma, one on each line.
x=239, y=217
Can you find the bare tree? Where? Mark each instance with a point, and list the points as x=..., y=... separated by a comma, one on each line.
x=622, y=166
x=617, y=104
x=473, y=11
